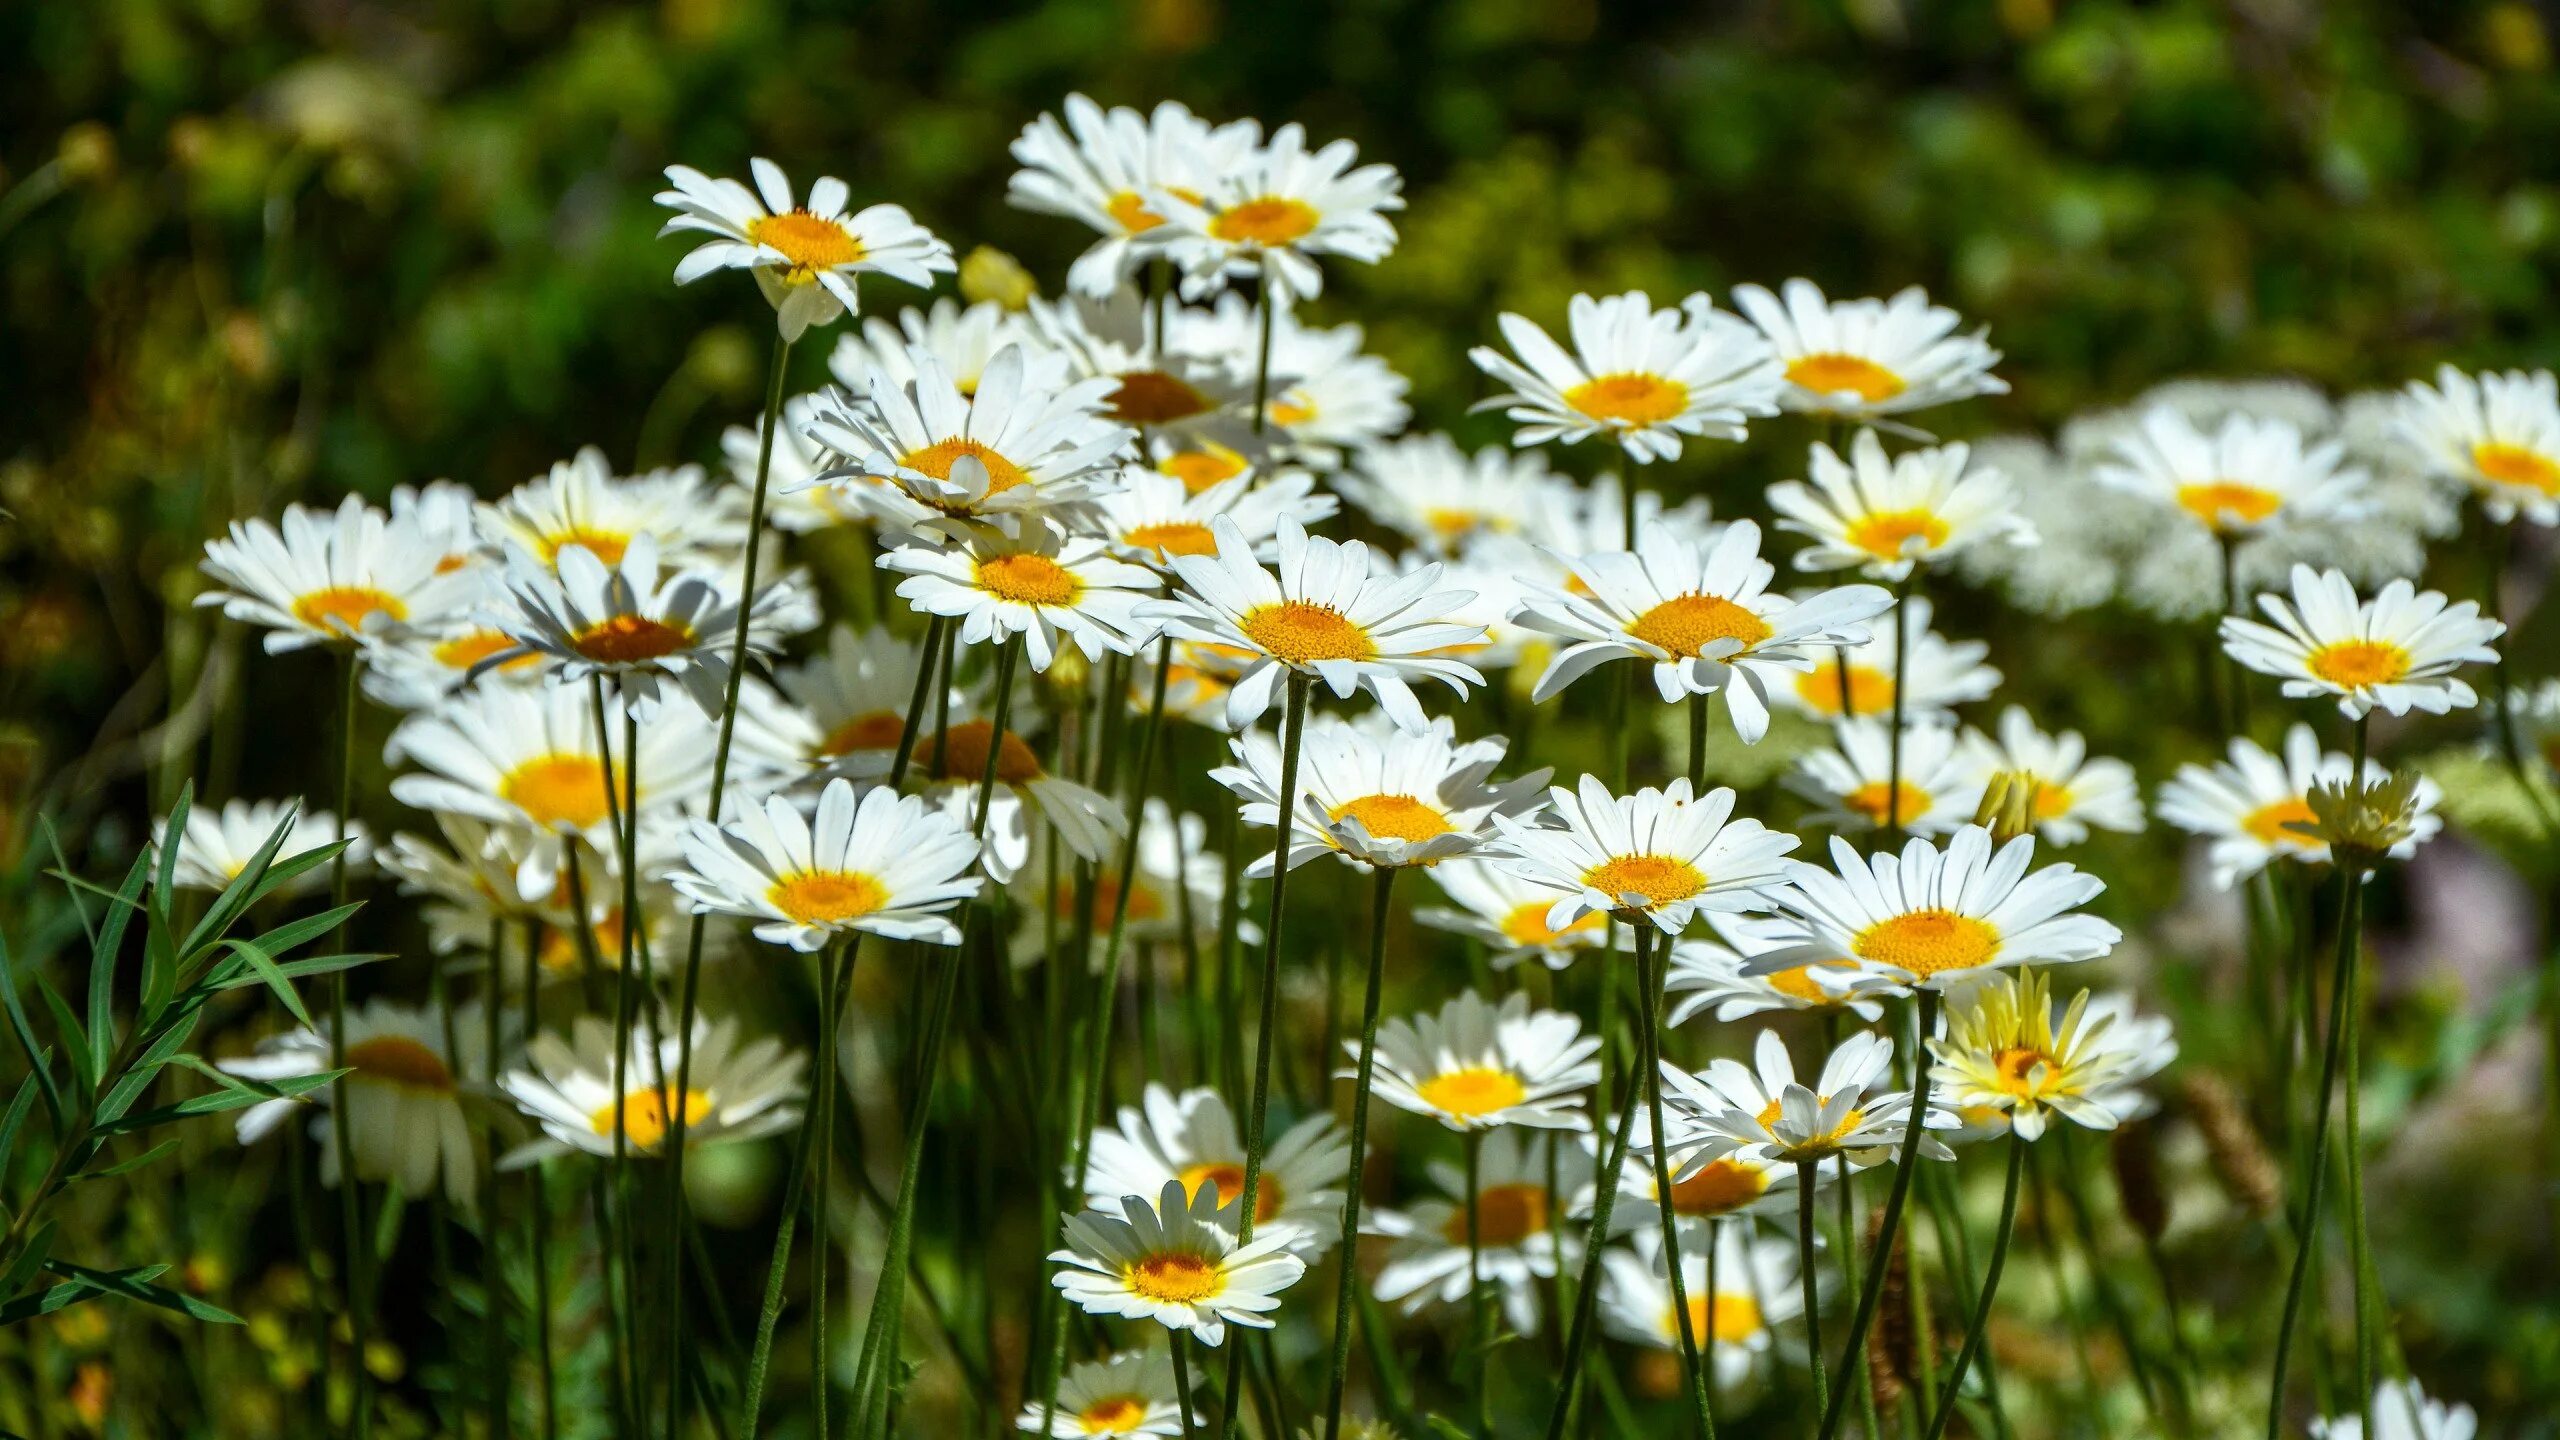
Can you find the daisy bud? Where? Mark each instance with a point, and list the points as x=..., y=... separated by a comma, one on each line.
x=2363, y=822
x=2008, y=807
x=988, y=273
x=2239, y=1158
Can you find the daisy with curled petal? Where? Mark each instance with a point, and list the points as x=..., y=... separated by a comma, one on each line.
x=1274, y=211
x=1327, y=609
x=1848, y=1116
x=735, y=1093
x=794, y=500
x=1520, y=1238
x=963, y=340
x=1033, y=581
x=855, y=694
x=403, y=1093
x=2254, y=808
x=1374, y=795
x=2396, y=652
x=2496, y=433
x=950, y=764
x=2244, y=477
x=1131, y=1393
x=1854, y=787
x=1887, y=514
x=1868, y=359
x=805, y=257
x=1174, y=1260
x=1703, y=615
x=1101, y=167
x=1154, y=516
x=2402, y=1411
x=345, y=577
x=1190, y=1139
x=2074, y=792
x=1718, y=974
x=1639, y=376
x=1428, y=490
x=1508, y=915
x=873, y=861
x=1927, y=919
x=1940, y=674
x=218, y=843
x=1475, y=1066
x=581, y=502
x=1757, y=1288
x=1658, y=856
x=2005, y=1050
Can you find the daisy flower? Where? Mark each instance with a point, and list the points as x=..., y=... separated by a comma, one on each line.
x=469, y=882
x=2397, y=652
x=1718, y=975
x=1178, y=879
x=1165, y=391
x=1853, y=785
x=1175, y=1260
x=420, y=667
x=1428, y=490
x=1034, y=582
x=952, y=763
x=1190, y=1139
x=2249, y=805
x=1375, y=795
x=1568, y=518
x=1886, y=515
x=1762, y=1112
x=855, y=693
x=963, y=340
x=1940, y=674
x=1521, y=1241
x=1868, y=359
x=1331, y=610
x=1730, y=1185
x=1508, y=915
x=317, y=577
x=2498, y=434
x=1328, y=396
x=1703, y=615
x=806, y=258
x=1131, y=1393
x=2402, y=1411
x=403, y=1093
x=1155, y=516
x=737, y=1092
x=1756, y=1289
x=218, y=843
x=2244, y=477
x=876, y=862
x=2005, y=1050
x=1273, y=211
x=581, y=502
x=1472, y=1065
x=443, y=516
x=2073, y=792
x=1927, y=919
x=794, y=500
x=1659, y=856
x=1101, y=167
x=1639, y=376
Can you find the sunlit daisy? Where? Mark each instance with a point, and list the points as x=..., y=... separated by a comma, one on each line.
x=875, y=861
x=321, y=577
x=2396, y=652
x=1940, y=674
x=1641, y=377
x=736, y=1092
x=1376, y=795
x=805, y=257
x=1853, y=783
x=952, y=763
x=418, y=667
x=1155, y=517
x=220, y=841
x=2004, y=1049
x=1658, y=856
x=1885, y=515
x=1474, y=1066
x=1327, y=396
x=2235, y=480
x=1728, y=1186
x=1190, y=1139
x=1927, y=918
x=1570, y=518
x=855, y=693
x=2497, y=433
x=1101, y=166
x=1175, y=1260
x=1131, y=1393
x=794, y=500
x=2073, y=793
x=1867, y=359
x=403, y=1094
x=1849, y=1115
x=2402, y=1411
x=1756, y=1289
x=1433, y=493
x=1177, y=880
x=1509, y=915
x=581, y=502
x=1520, y=1234
x=1718, y=977
x=2255, y=810
x=962, y=340
x=444, y=517
x=1275, y=211
x=1166, y=392
x=1032, y=582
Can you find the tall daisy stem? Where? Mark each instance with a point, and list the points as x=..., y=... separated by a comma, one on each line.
x=1604, y=1205
x=1350, y=1251
x=359, y=1249
x=1902, y=642
x=1477, y=1338
x=1809, y=1175
x=1179, y=1341
x=1265, y=303
x=493, y=1309
x=1649, y=948
x=2307, y=1221
x=1981, y=1322
x=1871, y=1289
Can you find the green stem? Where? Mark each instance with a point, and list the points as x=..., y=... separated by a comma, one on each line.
x=831, y=1022
x=493, y=1363
x=2308, y=1222
x=1476, y=1335
x=1902, y=643
x=1649, y=1055
x=350, y=1198
x=1586, y=1297
x=1350, y=1253
x=1179, y=1341
x=1981, y=1322
x=538, y=1222
x=1925, y=1026
x=1699, y=704
x=1808, y=1175
x=1262, y=375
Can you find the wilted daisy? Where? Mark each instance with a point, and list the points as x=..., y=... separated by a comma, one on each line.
x=2255, y=808
x=806, y=258
x=1756, y=1289
x=1520, y=1237
x=1472, y=1065
x=2496, y=433
x=1131, y=1393
x=1849, y=1115
x=1154, y=516
x=2240, y=478
x=2072, y=792
x=218, y=843
x=2005, y=1050
x=1032, y=581
x=1509, y=915
x=321, y=577
x=1658, y=856
x=1175, y=1260
x=855, y=693
x=1867, y=359
x=1331, y=610
x=1274, y=211
x=1887, y=514
x=580, y=501
x=1375, y=795
x=1927, y=918
x=2397, y=652
x=953, y=763
x=962, y=340
x=1854, y=787
x=873, y=861
x=1639, y=376
x=1101, y=167
x=1191, y=1139
x=1939, y=675
x=2402, y=1411
x=1703, y=615
x=403, y=1093
x=735, y=1092
x=1718, y=976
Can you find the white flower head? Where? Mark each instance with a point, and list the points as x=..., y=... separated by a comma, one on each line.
x=1375, y=795
x=1869, y=359
x=1032, y=581
x=1857, y=680
x=1327, y=395
x=1131, y=1393
x=794, y=500
x=2073, y=791
x=1190, y=1139
x=1735, y=1329
x=580, y=501
x=2396, y=652
x=2498, y=434
x=1275, y=211
x=1433, y=493
x=1473, y=1065
x=2006, y=1051
x=855, y=695
x=806, y=257
x=1886, y=515
x=1521, y=1240
x=1927, y=918
x=1719, y=977
x=1155, y=516
x=2402, y=1411
x=962, y=340
x=403, y=1092
x=2254, y=808
x=1656, y=856
x=1855, y=786
x=873, y=861
x=1849, y=1115
x=1641, y=377
x=1509, y=915
x=218, y=842
x=734, y=1092
x=951, y=764
x=1101, y=167
x=2245, y=476
x=352, y=576
x=1175, y=1260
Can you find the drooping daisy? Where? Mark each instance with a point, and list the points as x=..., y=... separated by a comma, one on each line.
x=2005, y=1050
x=806, y=258
x=1853, y=785
x=794, y=500
x=2496, y=433
x=403, y=1095
x=1509, y=915
x=1756, y=1289
x=1155, y=516
x=1858, y=679
x=1703, y=616
x=1926, y=918
x=1131, y=1393
x=581, y=502
x=1190, y=1139
x=218, y=843
x=1433, y=493
x=1472, y=1065
x=875, y=861
x=1101, y=166
x=855, y=694
x=2249, y=805
x=1886, y=514
x=1521, y=1239
x=1034, y=582
x=2397, y=652
x=1375, y=795
x=1332, y=610
x=963, y=340
x=1639, y=376
x=736, y=1092
x=952, y=763
x=2402, y=1411
x=1275, y=211
x=2249, y=474
x=2073, y=793
x=1718, y=975
x=1849, y=1115
x=343, y=577
x=1658, y=856
x=1867, y=359
x=1175, y=1260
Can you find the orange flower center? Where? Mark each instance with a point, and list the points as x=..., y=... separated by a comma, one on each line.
x=1719, y=1188
x=1797, y=982
x=1029, y=579
x=1175, y=1277
x=1298, y=633
x=1113, y=1415
x=1653, y=880
x=1272, y=221
x=1889, y=535
x=1527, y=925
x=464, y=651
x=631, y=640
x=960, y=753
x=2515, y=465
x=2228, y=504
x=1732, y=1318
x=1172, y=537
x=810, y=243
x=1870, y=690
x=1152, y=397
x=1925, y=942
x=827, y=897
x=1475, y=1091
x=1200, y=469
x=1229, y=1178
x=1686, y=626
x=1832, y=373
x=938, y=458
x=1506, y=1215
x=2267, y=823
x=2017, y=1065
x=343, y=609
x=2354, y=664
x=1295, y=407
x=1393, y=817
x=646, y=1115
x=399, y=1060
x=1880, y=808
x=1130, y=212
x=1630, y=398
x=876, y=730
x=560, y=791
x=605, y=545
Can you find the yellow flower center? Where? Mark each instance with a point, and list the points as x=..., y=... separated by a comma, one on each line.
x=1295, y=407
x=1775, y=1110
x=1175, y=1277
x=2267, y=823
x=646, y=1116
x=631, y=639
x=810, y=243
x=1229, y=1178
x=1029, y=579
x=1200, y=469
x=1527, y=925
x=1113, y=1415
x=1152, y=397
x=2515, y=465
x=1687, y=625
x=1832, y=373
x=1719, y=1188
x=1298, y=633
x=464, y=651
x=960, y=753
x=1172, y=537
x=827, y=897
x=1143, y=905
x=1870, y=690
x=1271, y=221
x=876, y=730
x=2228, y=504
x=937, y=459
x=605, y=545
x=399, y=1060
x=2354, y=664
x=1797, y=981
x=1130, y=212
x=1632, y=398
x=1470, y=1093
x=1653, y=880
x=1729, y=1317
x=1881, y=808
x=1505, y=1215
x=1888, y=535
x=1925, y=942
x=343, y=609
x=1393, y=817
x=561, y=790
x=2048, y=800
x=2016, y=1069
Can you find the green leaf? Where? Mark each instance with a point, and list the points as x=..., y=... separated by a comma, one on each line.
x=64, y=873
x=136, y=1285
x=258, y=879
x=16, y=1117
x=236, y=1093
x=138, y=1076
x=291, y=969
x=293, y=935
x=172, y=835
x=23, y=1269
x=265, y=966
x=85, y=1062
x=45, y=1302
x=37, y=1059
x=159, y=969
x=102, y=957
x=134, y=1163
